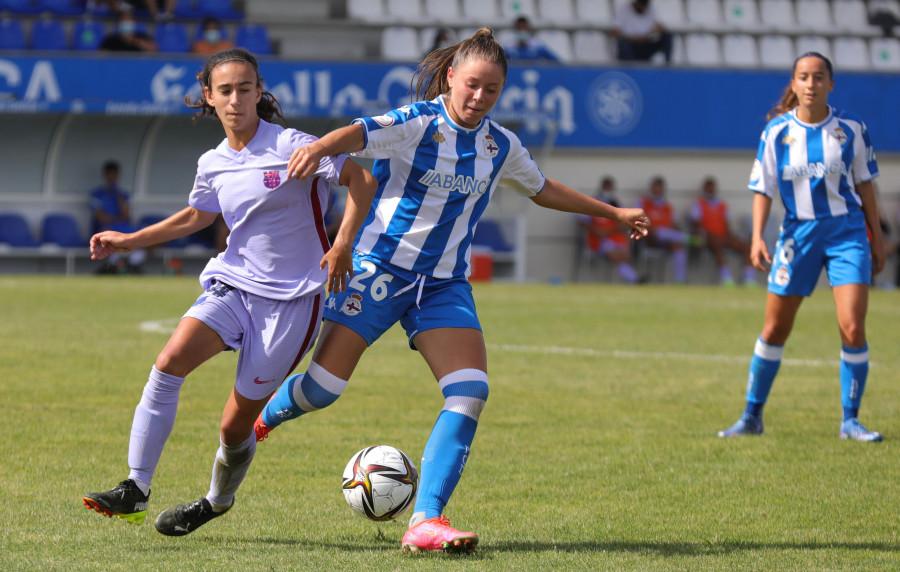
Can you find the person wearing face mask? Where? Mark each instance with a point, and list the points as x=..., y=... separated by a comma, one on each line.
x=127, y=37
x=212, y=39
x=526, y=45
x=639, y=33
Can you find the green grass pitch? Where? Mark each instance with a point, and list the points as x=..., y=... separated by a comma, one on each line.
x=596, y=451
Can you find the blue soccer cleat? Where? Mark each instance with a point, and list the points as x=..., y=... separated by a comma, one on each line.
x=746, y=425
x=853, y=429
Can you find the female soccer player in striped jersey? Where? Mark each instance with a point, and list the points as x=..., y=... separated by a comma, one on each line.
x=438, y=161
x=264, y=293
x=820, y=161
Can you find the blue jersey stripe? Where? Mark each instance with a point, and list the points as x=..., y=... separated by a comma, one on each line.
x=815, y=154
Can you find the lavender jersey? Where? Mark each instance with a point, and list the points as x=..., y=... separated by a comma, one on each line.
x=277, y=224
x=814, y=167
x=435, y=179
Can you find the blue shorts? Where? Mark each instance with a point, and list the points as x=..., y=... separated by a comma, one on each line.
x=840, y=244
x=381, y=294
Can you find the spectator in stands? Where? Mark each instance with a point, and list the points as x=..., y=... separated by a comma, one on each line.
x=526, y=45
x=639, y=33
x=709, y=218
x=885, y=15
x=110, y=210
x=152, y=6
x=127, y=37
x=212, y=39
x=664, y=229
x=443, y=37
x=607, y=238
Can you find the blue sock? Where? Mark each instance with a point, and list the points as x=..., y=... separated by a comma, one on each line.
x=465, y=392
x=854, y=372
x=763, y=368
x=303, y=393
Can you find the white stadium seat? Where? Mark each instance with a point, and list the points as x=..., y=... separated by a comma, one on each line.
x=850, y=16
x=594, y=12
x=482, y=13
x=851, y=53
x=672, y=13
x=702, y=49
x=557, y=12
x=442, y=11
x=558, y=41
x=885, y=54
x=814, y=16
x=400, y=43
x=404, y=11
x=819, y=44
x=366, y=10
x=778, y=15
x=741, y=14
x=591, y=47
x=512, y=9
x=776, y=51
x=739, y=50
x=703, y=14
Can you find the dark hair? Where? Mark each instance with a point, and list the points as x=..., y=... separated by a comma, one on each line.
x=789, y=99
x=111, y=165
x=267, y=108
x=430, y=79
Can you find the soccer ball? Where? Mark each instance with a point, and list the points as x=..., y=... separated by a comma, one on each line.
x=380, y=482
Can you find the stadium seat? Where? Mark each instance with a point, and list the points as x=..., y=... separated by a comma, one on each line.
x=483, y=12
x=48, y=34
x=427, y=35
x=851, y=53
x=591, y=47
x=87, y=34
x=739, y=50
x=12, y=34
x=405, y=11
x=61, y=229
x=253, y=37
x=702, y=49
x=400, y=43
x=776, y=51
x=813, y=16
x=703, y=14
x=512, y=9
x=442, y=11
x=187, y=10
x=366, y=10
x=64, y=7
x=672, y=13
x=489, y=235
x=819, y=44
x=14, y=231
x=23, y=6
x=558, y=41
x=172, y=37
x=594, y=12
x=885, y=54
x=741, y=14
x=778, y=15
x=220, y=9
x=850, y=16
x=559, y=12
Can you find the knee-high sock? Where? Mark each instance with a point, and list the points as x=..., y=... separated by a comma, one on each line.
x=465, y=393
x=229, y=470
x=854, y=372
x=763, y=368
x=303, y=393
x=154, y=418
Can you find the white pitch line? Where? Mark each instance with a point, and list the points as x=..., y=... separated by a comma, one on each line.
x=167, y=326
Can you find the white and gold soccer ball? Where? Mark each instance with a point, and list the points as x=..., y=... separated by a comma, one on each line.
x=380, y=482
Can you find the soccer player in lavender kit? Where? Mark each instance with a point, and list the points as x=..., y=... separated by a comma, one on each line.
x=438, y=162
x=264, y=293
x=820, y=161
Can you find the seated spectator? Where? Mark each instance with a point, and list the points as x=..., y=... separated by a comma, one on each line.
x=152, y=6
x=608, y=239
x=110, y=210
x=212, y=39
x=885, y=15
x=664, y=230
x=443, y=37
x=127, y=37
x=527, y=46
x=709, y=217
x=639, y=33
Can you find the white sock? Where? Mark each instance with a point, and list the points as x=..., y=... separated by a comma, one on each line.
x=229, y=470
x=154, y=417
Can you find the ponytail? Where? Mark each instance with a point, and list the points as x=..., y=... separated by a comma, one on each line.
x=430, y=79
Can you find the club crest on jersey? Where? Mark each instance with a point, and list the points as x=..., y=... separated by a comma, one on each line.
x=787, y=140
x=271, y=179
x=839, y=135
x=782, y=276
x=352, y=305
x=438, y=137
x=490, y=146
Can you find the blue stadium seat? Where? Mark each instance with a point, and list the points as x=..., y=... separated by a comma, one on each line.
x=187, y=10
x=87, y=35
x=254, y=38
x=64, y=7
x=149, y=219
x=48, y=34
x=62, y=229
x=172, y=37
x=12, y=34
x=489, y=234
x=221, y=9
x=15, y=232
x=23, y=6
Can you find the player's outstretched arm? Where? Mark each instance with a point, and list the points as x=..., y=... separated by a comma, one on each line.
x=180, y=224
x=339, y=259
x=560, y=197
x=759, y=252
x=304, y=160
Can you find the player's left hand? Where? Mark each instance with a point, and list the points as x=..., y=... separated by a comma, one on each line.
x=637, y=221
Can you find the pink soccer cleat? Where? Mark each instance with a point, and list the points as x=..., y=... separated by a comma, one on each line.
x=261, y=429
x=437, y=534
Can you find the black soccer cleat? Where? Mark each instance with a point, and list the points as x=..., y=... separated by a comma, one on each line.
x=125, y=501
x=186, y=518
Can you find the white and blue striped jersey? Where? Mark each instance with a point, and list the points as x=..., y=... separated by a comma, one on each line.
x=435, y=179
x=277, y=224
x=814, y=167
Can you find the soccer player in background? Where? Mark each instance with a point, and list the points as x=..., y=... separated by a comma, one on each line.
x=821, y=162
x=263, y=295
x=438, y=161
